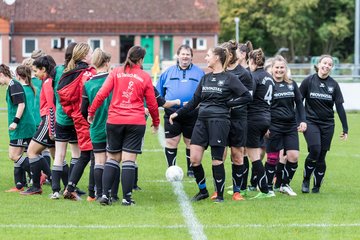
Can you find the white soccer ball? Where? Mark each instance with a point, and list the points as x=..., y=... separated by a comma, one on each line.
x=174, y=174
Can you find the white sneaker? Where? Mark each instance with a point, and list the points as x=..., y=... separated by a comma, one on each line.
x=287, y=190
x=272, y=193
x=55, y=195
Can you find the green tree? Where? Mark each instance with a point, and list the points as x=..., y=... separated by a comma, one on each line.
x=252, y=22
x=288, y=22
x=335, y=24
x=305, y=27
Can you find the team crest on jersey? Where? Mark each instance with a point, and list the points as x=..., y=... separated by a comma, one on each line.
x=281, y=85
x=331, y=89
x=290, y=87
x=221, y=83
x=322, y=85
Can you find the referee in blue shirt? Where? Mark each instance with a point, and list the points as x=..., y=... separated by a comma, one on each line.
x=179, y=82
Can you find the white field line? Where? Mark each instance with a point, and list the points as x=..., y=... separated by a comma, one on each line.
x=155, y=226
x=161, y=136
x=194, y=226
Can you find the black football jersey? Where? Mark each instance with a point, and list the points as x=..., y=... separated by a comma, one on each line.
x=213, y=93
x=285, y=97
x=263, y=89
x=245, y=77
x=320, y=96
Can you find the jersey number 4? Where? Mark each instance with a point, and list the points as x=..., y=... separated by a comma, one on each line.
x=268, y=95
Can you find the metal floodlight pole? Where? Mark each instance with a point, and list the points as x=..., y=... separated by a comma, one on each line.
x=237, y=20
x=357, y=39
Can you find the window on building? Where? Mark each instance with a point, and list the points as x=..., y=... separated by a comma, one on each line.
x=68, y=41
x=29, y=45
x=56, y=43
x=95, y=43
x=188, y=41
x=201, y=44
x=196, y=43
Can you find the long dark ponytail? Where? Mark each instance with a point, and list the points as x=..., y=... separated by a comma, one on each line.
x=135, y=54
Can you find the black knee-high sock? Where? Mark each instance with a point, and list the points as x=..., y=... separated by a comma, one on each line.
x=127, y=178
x=270, y=173
x=72, y=164
x=237, y=176
x=24, y=163
x=189, y=168
x=45, y=167
x=91, y=186
x=47, y=157
x=219, y=179
x=319, y=173
x=115, y=186
x=259, y=170
x=35, y=169
x=110, y=169
x=200, y=178
x=245, y=173
x=65, y=174
x=309, y=168
x=78, y=170
x=170, y=154
x=290, y=169
x=136, y=175
x=279, y=174
x=56, y=176
x=18, y=176
x=25, y=179
x=254, y=177
x=98, y=173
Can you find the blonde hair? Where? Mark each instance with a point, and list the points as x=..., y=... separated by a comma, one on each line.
x=37, y=53
x=80, y=51
x=268, y=64
x=28, y=62
x=279, y=58
x=100, y=58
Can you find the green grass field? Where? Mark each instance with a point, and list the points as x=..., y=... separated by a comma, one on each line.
x=332, y=214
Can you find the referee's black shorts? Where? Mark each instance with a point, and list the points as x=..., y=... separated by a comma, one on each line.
x=212, y=131
x=182, y=125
